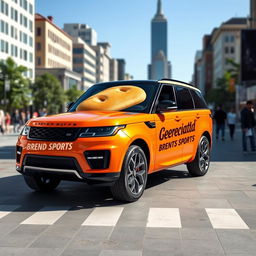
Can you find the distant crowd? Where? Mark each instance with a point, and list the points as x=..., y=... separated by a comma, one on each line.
x=248, y=124
x=13, y=122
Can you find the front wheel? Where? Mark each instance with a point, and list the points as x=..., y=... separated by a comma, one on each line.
x=133, y=178
x=200, y=165
x=41, y=183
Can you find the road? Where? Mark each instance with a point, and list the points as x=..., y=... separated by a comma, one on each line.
x=177, y=215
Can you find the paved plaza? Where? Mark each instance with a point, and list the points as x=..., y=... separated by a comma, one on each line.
x=177, y=215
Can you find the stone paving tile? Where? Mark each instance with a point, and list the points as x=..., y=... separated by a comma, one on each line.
x=120, y=253
x=162, y=233
x=198, y=247
x=53, y=241
x=202, y=234
x=42, y=251
x=19, y=241
x=162, y=253
x=237, y=241
x=194, y=218
x=80, y=252
x=162, y=245
x=248, y=216
x=243, y=204
x=7, y=251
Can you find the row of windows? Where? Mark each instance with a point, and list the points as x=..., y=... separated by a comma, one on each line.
x=58, y=40
x=229, y=50
x=4, y=7
x=85, y=79
x=229, y=39
x=4, y=27
x=84, y=70
x=83, y=60
x=54, y=63
x=15, y=52
x=58, y=53
x=83, y=51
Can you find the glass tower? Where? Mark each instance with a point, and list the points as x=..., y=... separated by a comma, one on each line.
x=160, y=67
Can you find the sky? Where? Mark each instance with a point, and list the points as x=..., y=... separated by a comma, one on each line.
x=125, y=24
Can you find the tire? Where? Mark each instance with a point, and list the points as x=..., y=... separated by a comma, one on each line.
x=200, y=165
x=133, y=178
x=41, y=183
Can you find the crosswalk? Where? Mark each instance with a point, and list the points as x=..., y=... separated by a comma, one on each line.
x=109, y=217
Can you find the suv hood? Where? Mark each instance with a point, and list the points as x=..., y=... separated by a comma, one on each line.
x=90, y=119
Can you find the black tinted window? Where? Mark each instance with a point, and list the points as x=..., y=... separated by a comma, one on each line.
x=184, y=100
x=167, y=93
x=198, y=99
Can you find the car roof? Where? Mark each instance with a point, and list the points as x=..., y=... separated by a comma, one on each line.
x=159, y=82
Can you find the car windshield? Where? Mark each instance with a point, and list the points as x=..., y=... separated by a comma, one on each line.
x=150, y=89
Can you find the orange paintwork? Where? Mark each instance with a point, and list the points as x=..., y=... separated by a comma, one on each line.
x=173, y=141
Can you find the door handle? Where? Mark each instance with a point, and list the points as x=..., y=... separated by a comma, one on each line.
x=197, y=116
x=177, y=118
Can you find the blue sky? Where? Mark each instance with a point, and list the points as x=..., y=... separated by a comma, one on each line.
x=126, y=25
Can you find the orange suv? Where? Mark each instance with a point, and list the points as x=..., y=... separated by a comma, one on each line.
x=119, y=148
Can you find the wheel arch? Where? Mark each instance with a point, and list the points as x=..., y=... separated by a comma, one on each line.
x=208, y=136
x=143, y=144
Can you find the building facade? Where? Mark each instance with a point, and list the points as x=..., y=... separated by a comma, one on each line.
x=103, y=59
x=17, y=33
x=226, y=42
x=53, y=46
x=121, y=69
x=83, y=31
x=84, y=62
x=160, y=67
x=113, y=70
x=253, y=14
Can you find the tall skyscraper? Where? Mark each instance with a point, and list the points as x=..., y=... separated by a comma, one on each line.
x=160, y=67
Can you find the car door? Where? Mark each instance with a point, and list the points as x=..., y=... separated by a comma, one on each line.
x=168, y=152
x=188, y=120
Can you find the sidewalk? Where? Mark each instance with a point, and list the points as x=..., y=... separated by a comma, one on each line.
x=231, y=151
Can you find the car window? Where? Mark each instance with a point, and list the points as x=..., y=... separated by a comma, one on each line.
x=198, y=99
x=167, y=93
x=150, y=89
x=184, y=99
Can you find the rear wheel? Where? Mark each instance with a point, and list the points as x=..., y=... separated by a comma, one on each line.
x=39, y=183
x=201, y=163
x=133, y=178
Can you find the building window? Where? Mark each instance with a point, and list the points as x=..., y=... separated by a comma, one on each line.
x=25, y=21
x=226, y=50
x=38, y=46
x=25, y=55
x=232, y=50
x=4, y=46
x=21, y=19
x=38, y=31
x=31, y=26
x=30, y=41
x=38, y=61
x=31, y=57
x=31, y=9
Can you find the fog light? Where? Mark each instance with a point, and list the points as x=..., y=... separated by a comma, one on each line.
x=98, y=159
x=18, y=153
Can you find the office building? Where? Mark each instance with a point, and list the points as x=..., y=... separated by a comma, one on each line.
x=160, y=67
x=121, y=69
x=226, y=43
x=17, y=33
x=53, y=46
x=103, y=59
x=83, y=31
x=84, y=62
x=113, y=70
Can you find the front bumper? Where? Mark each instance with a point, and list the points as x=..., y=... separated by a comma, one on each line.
x=71, y=160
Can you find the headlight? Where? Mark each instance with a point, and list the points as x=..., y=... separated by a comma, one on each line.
x=25, y=131
x=100, y=131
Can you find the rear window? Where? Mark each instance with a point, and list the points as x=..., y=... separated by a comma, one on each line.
x=198, y=99
x=184, y=99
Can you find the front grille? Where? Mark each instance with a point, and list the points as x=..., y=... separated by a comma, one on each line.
x=54, y=133
x=53, y=162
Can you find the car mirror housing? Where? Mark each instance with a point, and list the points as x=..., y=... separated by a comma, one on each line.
x=166, y=105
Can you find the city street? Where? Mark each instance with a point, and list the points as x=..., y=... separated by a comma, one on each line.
x=177, y=215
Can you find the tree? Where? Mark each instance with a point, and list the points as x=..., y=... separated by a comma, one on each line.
x=19, y=94
x=73, y=93
x=48, y=93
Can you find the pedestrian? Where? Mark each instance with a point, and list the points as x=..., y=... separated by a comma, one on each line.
x=2, y=121
x=220, y=117
x=16, y=121
x=28, y=115
x=231, y=121
x=7, y=122
x=248, y=124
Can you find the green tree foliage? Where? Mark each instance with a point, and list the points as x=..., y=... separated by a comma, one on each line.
x=48, y=93
x=19, y=94
x=73, y=93
x=224, y=93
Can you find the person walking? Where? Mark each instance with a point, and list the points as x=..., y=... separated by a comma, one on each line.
x=231, y=121
x=7, y=122
x=248, y=124
x=2, y=121
x=220, y=117
x=16, y=121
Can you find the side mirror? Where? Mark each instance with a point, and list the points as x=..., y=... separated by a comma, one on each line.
x=69, y=105
x=166, y=105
